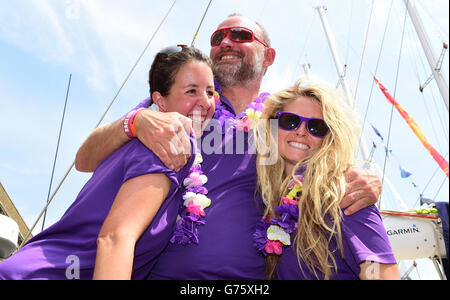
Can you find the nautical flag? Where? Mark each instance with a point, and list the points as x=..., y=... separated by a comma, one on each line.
x=415, y=128
x=377, y=132
x=404, y=172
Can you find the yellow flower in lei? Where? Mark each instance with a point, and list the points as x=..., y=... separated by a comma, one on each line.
x=293, y=193
x=253, y=115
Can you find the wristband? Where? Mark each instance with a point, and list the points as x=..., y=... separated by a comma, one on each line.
x=132, y=123
x=128, y=123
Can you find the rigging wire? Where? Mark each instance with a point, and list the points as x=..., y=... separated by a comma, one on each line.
x=349, y=34
x=438, y=111
x=375, y=73
x=261, y=14
x=98, y=124
x=305, y=45
x=429, y=181
x=57, y=149
x=443, y=34
x=201, y=22
x=416, y=69
x=414, y=63
x=364, y=50
x=368, y=69
x=425, y=69
x=439, y=189
x=395, y=92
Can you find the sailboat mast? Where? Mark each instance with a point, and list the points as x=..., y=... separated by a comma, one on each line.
x=350, y=100
x=443, y=87
x=339, y=68
x=337, y=60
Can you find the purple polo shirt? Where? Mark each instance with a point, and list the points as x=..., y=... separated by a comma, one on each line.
x=364, y=239
x=71, y=242
x=225, y=249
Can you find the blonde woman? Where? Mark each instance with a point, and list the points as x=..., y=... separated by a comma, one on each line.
x=304, y=234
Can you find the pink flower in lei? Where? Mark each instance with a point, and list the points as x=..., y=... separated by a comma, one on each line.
x=195, y=209
x=274, y=247
x=245, y=124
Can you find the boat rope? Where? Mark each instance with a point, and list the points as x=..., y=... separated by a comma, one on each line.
x=364, y=50
x=98, y=124
x=201, y=22
x=395, y=92
x=57, y=149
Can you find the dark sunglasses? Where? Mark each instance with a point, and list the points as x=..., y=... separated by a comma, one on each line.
x=289, y=121
x=237, y=34
x=171, y=50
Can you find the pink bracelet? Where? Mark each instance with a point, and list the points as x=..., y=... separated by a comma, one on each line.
x=129, y=119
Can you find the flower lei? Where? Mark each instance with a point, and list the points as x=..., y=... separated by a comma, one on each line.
x=195, y=201
x=273, y=233
x=195, y=196
x=247, y=119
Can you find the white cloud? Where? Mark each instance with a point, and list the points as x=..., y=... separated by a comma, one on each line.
x=35, y=27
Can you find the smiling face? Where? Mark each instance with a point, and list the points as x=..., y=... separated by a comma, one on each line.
x=235, y=63
x=192, y=94
x=299, y=144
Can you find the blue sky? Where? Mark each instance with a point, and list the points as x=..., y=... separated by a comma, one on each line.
x=43, y=41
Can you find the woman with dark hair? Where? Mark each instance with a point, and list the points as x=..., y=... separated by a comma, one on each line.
x=124, y=216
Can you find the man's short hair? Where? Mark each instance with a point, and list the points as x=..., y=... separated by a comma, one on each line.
x=264, y=34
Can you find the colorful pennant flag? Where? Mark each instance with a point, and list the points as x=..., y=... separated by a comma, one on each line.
x=404, y=173
x=415, y=128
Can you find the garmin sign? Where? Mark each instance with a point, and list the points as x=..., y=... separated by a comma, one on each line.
x=413, y=229
x=413, y=236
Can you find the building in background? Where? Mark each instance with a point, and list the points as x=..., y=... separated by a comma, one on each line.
x=13, y=228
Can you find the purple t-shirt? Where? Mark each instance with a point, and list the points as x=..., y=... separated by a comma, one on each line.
x=364, y=239
x=71, y=242
x=225, y=249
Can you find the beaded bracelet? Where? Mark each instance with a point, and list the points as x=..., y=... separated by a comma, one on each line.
x=128, y=123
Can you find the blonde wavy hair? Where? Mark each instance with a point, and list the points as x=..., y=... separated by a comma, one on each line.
x=324, y=185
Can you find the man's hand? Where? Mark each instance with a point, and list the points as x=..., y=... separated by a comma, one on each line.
x=363, y=189
x=167, y=135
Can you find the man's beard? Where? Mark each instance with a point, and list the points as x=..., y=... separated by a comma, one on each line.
x=230, y=75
